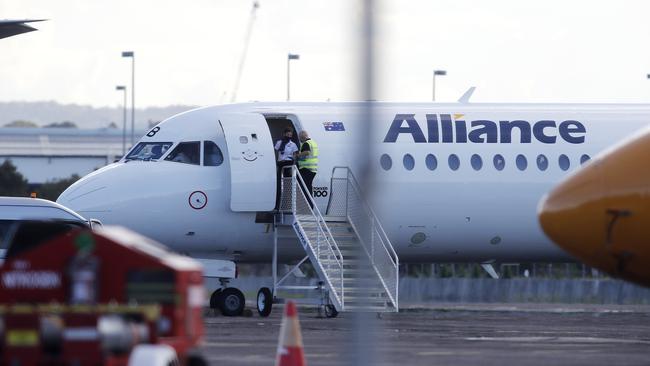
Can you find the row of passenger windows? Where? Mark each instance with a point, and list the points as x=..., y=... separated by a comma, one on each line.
x=476, y=161
x=184, y=152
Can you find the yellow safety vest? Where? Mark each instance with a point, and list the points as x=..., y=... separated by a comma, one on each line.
x=310, y=161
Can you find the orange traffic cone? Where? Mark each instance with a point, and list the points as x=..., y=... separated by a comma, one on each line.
x=290, y=344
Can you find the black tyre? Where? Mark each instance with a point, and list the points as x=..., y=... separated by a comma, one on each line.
x=196, y=360
x=214, y=298
x=231, y=302
x=330, y=311
x=264, y=301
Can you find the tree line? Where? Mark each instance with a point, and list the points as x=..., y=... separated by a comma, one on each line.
x=21, y=123
x=14, y=184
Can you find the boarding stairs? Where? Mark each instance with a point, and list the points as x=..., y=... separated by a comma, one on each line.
x=349, y=250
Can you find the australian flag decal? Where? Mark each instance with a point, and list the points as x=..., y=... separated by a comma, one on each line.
x=333, y=126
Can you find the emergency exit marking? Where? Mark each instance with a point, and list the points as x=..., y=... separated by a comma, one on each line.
x=198, y=200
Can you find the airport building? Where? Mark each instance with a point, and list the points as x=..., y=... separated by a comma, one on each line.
x=46, y=154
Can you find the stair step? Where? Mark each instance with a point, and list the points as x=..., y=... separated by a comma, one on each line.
x=348, y=260
x=364, y=290
x=350, y=251
x=352, y=281
x=358, y=274
x=348, y=242
x=364, y=287
x=352, y=299
x=358, y=268
x=349, y=245
x=338, y=224
x=340, y=236
x=350, y=268
x=337, y=228
x=369, y=309
x=330, y=218
x=374, y=300
x=362, y=305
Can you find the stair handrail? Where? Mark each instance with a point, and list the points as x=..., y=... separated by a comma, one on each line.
x=332, y=246
x=378, y=228
x=357, y=188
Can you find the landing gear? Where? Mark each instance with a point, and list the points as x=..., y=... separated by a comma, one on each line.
x=330, y=311
x=230, y=301
x=214, y=298
x=264, y=302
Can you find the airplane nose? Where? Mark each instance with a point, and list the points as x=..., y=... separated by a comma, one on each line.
x=601, y=213
x=572, y=214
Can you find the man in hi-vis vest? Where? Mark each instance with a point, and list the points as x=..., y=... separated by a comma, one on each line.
x=307, y=159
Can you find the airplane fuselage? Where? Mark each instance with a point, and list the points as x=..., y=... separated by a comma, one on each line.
x=451, y=182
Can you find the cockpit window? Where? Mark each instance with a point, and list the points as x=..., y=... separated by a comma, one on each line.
x=149, y=151
x=211, y=154
x=187, y=153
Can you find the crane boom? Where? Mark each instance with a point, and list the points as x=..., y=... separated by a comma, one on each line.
x=242, y=60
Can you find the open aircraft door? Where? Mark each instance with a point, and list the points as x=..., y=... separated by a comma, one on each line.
x=252, y=162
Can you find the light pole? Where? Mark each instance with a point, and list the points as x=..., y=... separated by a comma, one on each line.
x=123, y=88
x=131, y=54
x=439, y=73
x=289, y=58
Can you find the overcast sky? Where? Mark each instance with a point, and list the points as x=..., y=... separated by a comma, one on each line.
x=187, y=52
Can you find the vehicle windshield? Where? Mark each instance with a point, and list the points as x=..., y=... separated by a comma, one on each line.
x=149, y=150
x=5, y=226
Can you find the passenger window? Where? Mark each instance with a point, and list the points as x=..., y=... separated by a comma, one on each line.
x=386, y=162
x=499, y=162
x=563, y=160
x=431, y=162
x=454, y=162
x=521, y=162
x=476, y=161
x=211, y=154
x=409, y=162
x=542, y=162
x=186, y=153
x=584, y=158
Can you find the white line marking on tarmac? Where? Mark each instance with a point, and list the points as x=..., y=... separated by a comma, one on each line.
x=559, y=339
x=447, y=353
x=226, y=344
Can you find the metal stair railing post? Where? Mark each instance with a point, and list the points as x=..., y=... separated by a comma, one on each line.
x=293, y=193
x=323, y=233
x=347, y=195
x=372, y=242
x=388, y=271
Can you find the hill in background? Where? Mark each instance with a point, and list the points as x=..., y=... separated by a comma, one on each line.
x=83, y=116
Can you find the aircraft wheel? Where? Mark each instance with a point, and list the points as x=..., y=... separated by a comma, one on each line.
x=231, y=302
x=196, y=360
x=214, y=298
x=264, y=301
x=330, y=311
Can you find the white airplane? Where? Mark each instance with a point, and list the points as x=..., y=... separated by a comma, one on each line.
x=456, y=182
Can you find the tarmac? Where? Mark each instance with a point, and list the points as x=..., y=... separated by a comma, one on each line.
x=445, y=334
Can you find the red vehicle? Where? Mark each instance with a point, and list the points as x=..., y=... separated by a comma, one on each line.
x=105, y=297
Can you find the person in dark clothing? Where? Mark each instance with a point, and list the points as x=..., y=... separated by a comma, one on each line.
x=286, y=150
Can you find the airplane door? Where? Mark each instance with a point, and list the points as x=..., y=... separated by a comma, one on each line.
x=252, y=162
